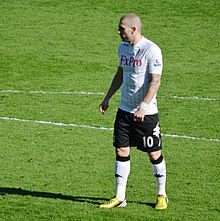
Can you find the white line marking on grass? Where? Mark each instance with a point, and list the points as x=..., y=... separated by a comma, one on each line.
x=55, y=123
x=53, y=92
x=101, y=93
x=192, y=138
x=192, y=98
x=102, y=128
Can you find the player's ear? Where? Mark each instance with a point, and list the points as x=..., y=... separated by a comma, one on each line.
x=133, y=29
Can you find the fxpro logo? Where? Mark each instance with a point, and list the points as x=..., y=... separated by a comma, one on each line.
x=130, y=61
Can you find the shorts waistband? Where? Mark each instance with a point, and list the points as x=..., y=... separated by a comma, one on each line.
x=132, y=114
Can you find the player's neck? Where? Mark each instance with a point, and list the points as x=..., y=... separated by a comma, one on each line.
x=136, y=40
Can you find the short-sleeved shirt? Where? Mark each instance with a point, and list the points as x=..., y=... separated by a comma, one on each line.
x=138, y=62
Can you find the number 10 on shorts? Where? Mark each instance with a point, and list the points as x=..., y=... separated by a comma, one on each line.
x=149, y=141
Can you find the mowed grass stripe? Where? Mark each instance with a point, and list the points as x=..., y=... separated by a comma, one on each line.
x=102, y=128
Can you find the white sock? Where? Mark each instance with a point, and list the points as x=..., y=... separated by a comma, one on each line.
x=159, y=171
x=122, y=171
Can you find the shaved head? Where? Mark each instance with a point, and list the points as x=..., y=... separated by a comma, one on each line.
x=132, y=19
x=129, y=28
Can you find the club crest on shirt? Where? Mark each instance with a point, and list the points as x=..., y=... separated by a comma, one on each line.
x=140, y=51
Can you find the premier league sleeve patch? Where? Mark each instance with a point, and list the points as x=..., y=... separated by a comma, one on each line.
x=155, y=61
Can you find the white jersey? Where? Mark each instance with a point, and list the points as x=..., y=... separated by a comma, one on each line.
x=138, y=62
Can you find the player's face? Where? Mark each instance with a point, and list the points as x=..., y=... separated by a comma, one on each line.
x=125, y=32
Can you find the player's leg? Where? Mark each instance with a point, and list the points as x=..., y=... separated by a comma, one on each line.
x=159, y=172
x=149, y=140
x=122, y=171
x=122, y=161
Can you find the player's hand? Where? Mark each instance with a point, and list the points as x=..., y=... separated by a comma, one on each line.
x=104, y=106
x=139, y=115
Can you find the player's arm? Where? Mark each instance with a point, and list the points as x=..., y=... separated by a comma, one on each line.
x=115, y=85
x=152, y=90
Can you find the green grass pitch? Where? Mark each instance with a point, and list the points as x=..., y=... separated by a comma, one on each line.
x=51, y=172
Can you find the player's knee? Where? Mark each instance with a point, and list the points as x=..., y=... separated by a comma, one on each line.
x=122, y=152
x=155, y=155
x=157, y=161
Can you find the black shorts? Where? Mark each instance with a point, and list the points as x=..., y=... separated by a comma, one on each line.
x=143, y=135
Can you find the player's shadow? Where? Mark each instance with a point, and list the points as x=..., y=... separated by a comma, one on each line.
x=22, y=192
x=92, y=200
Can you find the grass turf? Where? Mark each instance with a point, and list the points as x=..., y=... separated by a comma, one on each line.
x=57, y=173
